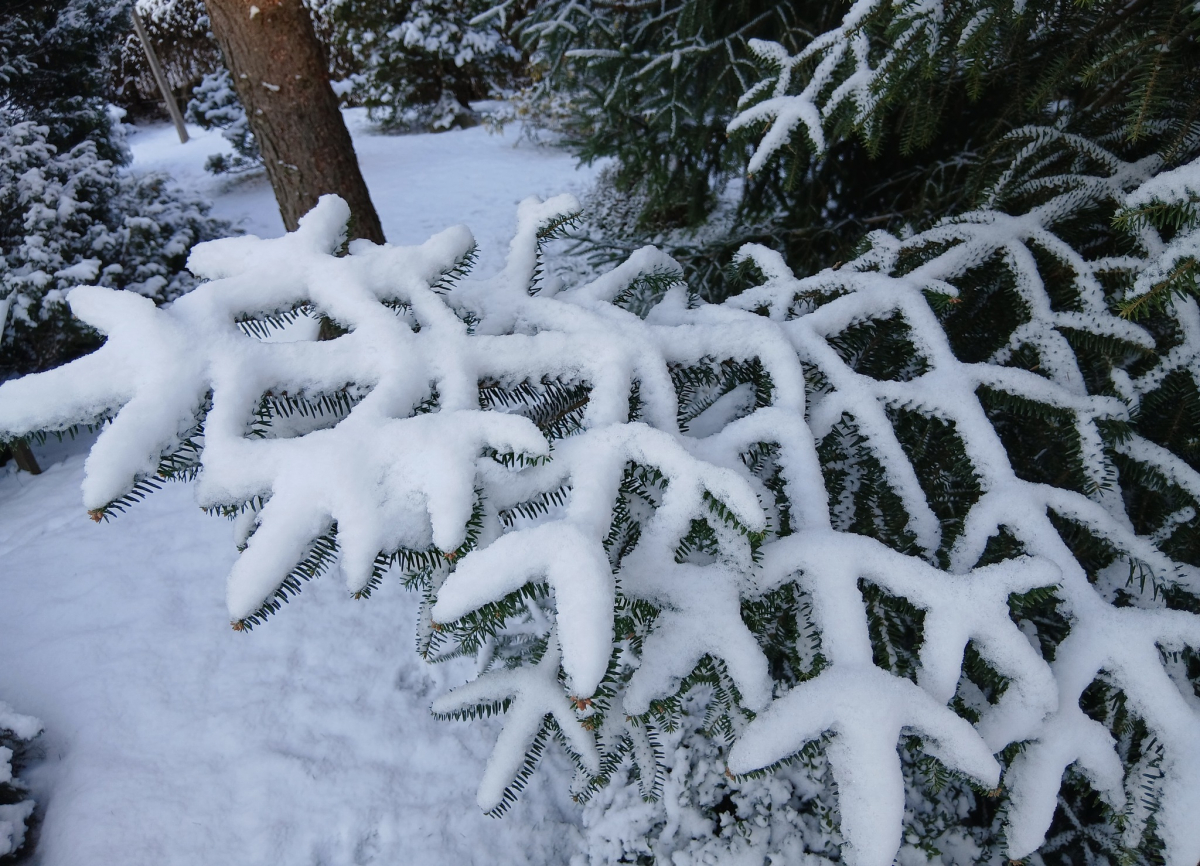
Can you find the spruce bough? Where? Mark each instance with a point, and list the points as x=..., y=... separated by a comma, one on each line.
x=602, y=490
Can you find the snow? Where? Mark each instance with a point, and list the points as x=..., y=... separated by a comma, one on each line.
x=574, y=566
x=420, y=184
x=535, y=693
x=390, y=479
x=22, y=726
x=1181, y=184
x=171, y=739
x=867, y=709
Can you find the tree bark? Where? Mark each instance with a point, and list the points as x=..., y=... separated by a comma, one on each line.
x=280, y=73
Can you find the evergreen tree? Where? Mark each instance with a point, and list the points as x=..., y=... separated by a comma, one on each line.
x=69, y=212
x=655, y=85
x=214, y=105
x=54, y=62
x=809, y=515
x=418, y=64
x=914, y=139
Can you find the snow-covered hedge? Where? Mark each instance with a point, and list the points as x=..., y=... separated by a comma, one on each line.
x=622, y=499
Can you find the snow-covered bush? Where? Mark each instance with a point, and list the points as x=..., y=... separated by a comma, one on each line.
x=55, y=60
x=71, y=217
x=635, y=508
x=15, y=805
x=419, y=63
x=214, y=104
x=70, y=213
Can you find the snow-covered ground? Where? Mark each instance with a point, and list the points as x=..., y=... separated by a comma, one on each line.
x=171, y=739
x=420, y=184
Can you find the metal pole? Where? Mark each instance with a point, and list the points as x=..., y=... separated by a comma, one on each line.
x=168, y=97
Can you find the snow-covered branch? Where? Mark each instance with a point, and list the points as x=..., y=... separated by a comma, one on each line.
x=594, y=499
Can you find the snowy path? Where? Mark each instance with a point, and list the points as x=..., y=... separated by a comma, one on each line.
x=171, y=739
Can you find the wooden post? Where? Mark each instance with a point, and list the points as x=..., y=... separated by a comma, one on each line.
x=23, y=455
x=163, y=87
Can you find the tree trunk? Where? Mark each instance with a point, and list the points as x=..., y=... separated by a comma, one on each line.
x=279, y=69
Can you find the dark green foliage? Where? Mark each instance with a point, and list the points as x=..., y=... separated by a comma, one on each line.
x=54, y=62
x=860, y=499
x=1076, y=66
x=1039, y=608
x=643, y=84
x=782, y=622
x=943, y=469
x=896, y=629
x=654, y=84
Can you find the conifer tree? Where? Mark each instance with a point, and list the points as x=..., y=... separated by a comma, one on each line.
x=684, y=491
x=281, y=74
x=654, y=85
x=418, y=64
x=70, y=212
x=969, y=76
x=215, y=105
x=53, y=62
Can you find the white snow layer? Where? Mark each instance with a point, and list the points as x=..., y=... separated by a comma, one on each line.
x=171, y=739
